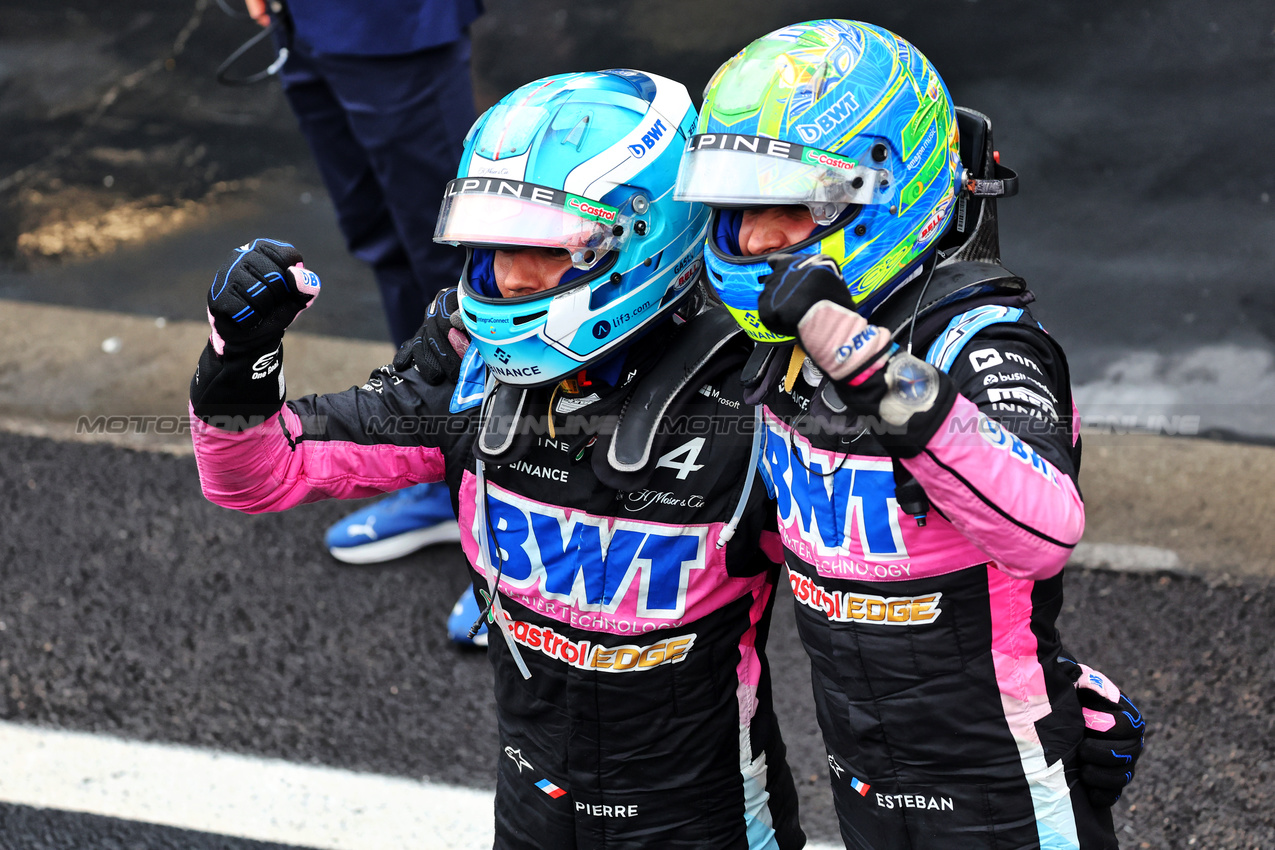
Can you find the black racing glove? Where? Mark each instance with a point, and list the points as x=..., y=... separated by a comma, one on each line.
x=1113, y=734
x=806, y=297
x=254, y=297
x=905, y=398
x=797, y=283
x=258, y=291
x=439, y=346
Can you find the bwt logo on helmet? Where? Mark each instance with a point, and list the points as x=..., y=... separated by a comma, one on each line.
x=649, y=138
x=829, y=120
x=809, y=133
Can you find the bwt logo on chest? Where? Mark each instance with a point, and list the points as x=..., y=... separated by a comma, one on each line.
x=846, y=503
x=595, y=563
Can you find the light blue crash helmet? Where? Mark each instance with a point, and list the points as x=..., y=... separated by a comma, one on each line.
x=583, y=162
x=845, y=118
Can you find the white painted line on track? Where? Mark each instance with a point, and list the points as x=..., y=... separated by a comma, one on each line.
x=240, y=796
x=1126, y=557
x=1190, y=391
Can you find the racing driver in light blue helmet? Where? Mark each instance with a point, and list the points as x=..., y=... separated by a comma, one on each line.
x=566, y=177
x=599, y=455
x=574, y=173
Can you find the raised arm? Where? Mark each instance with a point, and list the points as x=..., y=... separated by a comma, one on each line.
x=1019, y=505
x=257, y=454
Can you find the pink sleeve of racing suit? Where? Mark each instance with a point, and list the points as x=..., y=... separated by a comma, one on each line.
x=1012, y=496
x=270, y=467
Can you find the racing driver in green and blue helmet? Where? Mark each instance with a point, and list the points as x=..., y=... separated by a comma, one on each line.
x=849, y=122
x=926, y=506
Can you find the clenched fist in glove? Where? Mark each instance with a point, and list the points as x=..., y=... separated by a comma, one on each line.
x=439, y=346
x=806, y=297
x=258, y=291
x=1113, y=734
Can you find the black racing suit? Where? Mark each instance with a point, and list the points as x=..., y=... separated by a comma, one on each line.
x=647, y=721
x=949, y=724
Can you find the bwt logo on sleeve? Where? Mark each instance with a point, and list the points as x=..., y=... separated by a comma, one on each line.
x=649, y=138
x=595, y=563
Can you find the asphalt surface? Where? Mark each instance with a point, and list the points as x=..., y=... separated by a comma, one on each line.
x=129, y=605
x=133, y=607
x=43, y=829
x=1142, y=132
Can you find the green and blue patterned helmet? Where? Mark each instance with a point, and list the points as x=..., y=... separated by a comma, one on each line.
x=586, y=163
x=844, y=118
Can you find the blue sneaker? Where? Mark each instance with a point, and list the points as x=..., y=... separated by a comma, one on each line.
x=395, y=526
x=463, y=615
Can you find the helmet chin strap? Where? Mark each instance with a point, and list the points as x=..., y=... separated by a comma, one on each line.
x=928, y=265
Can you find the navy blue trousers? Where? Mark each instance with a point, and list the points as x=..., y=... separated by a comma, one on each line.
x=387, y=133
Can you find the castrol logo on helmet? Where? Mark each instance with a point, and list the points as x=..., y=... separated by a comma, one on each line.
x=830, y=160
x=603, y=213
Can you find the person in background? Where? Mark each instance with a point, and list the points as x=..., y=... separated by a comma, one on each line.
x=920, y=442
x=383, y=96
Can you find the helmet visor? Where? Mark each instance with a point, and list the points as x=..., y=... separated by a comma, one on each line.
x=730, y=170
x=488, y=212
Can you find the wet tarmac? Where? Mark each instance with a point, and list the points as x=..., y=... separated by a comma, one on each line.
x=1144, y=134
x=132, y=606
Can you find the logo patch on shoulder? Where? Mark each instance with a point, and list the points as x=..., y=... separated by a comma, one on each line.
x=985, y=358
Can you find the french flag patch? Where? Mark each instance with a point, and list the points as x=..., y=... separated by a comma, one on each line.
x=549, y=788
x=861, y=787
